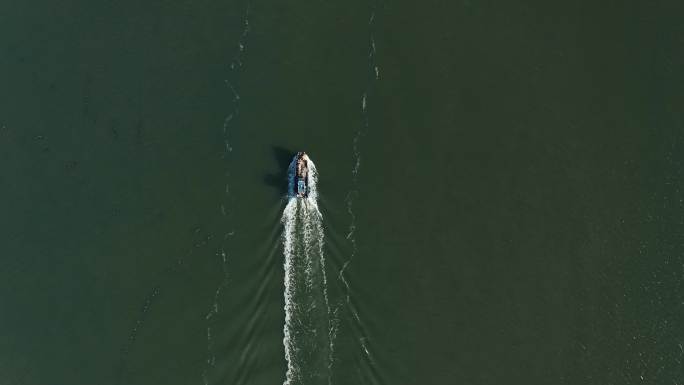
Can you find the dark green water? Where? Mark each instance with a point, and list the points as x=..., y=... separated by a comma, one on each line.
x=516, y=215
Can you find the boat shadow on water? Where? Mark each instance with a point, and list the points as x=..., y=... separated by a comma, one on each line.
x=278, y=179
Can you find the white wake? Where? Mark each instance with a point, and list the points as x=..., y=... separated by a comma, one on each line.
x=307, y=330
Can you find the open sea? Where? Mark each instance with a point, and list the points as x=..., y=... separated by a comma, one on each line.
x=497, y=192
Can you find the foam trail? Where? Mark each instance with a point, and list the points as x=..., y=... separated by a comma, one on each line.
x=308, y=320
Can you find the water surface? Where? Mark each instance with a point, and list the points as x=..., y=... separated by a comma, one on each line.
x=500, y=192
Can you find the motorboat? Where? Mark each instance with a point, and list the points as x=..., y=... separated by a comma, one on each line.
x=301, y=175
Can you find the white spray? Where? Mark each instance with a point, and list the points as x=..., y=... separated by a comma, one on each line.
x=307, y=329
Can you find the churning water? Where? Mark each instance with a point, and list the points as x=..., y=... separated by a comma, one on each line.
x=308, y=331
